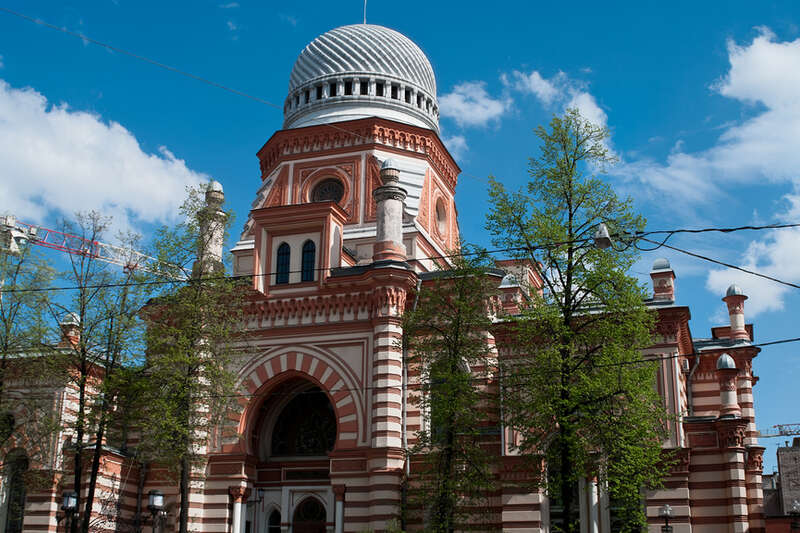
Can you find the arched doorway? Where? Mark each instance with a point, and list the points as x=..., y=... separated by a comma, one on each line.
x=15, y=468
x=309, y=517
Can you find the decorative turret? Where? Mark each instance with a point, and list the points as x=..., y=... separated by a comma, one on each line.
x=70, y=331
x=728, y=400
x=211, y=221
x=734, y=298
x=663, y=280
x=389, y=198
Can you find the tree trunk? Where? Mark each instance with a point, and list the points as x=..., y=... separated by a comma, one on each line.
x=445, y=509
x=78, y=463
x=98, y=451
x=184, y=489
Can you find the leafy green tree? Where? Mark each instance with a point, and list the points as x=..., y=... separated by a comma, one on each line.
x=102, y=333
x=579, y=392
x=190, y=327
x=446, y=335
x=24, y=280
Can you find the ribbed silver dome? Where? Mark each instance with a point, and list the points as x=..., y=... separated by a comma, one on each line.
x=363, y=49
x=725, y=362
x=734, y=290
x=360, y=71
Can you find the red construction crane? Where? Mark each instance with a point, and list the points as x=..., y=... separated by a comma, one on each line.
x=14, y=233
x=780, y=430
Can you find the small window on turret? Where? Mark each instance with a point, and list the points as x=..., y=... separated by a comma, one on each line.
x=319, y=92
x=408, y=95
x=332, y=89
x=296, y=100
x=379, y=89
x=419, y=100
x=364, y=87
x=348, y=88
x=395, y=90
x=307, y=96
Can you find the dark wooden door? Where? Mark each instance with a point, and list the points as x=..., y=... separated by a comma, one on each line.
x=309, y=517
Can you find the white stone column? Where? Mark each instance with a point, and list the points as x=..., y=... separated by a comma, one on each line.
x=594, y=526
x=389, y=198
x=583, y=512
x=239, y=495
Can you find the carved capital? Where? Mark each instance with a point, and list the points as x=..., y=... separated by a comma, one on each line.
x=732, y=436
x=755, y=459
x=239, y=494
x=338, y=492
x=389, y=192
x=682, y=461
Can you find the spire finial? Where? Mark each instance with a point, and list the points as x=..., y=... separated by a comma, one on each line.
x=365, y=11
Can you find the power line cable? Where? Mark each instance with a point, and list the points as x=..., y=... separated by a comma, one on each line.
x=250, y=276
x=140, y=57
x=184, y=73
x=635, y=237
x=722, y=263
x=495, y=377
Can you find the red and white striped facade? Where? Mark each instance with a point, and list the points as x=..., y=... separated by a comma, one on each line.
x=340, y=332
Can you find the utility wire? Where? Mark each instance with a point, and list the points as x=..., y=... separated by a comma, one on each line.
x=729, y=265
x=637, y=236
x=249, y=276
x=184, y=73
x=164, y=66
x=491, y=378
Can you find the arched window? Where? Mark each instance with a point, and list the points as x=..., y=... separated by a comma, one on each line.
x=309, y=255
x=305, y=427
x=274, y=522
x=282, y=268
x=15, y=467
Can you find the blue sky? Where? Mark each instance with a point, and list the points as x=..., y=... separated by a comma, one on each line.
x=702, y=99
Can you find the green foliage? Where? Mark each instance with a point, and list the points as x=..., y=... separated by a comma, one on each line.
x=579, y=393
x=446, y=336
x=189, y=382
x=107, y=336
x=22, y=334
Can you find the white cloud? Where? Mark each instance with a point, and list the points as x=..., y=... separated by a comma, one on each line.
x=289, y=19
x=760, y=149
x=1, y=61
x=545, y=90
x=457, y=145
x=232, y=25
x=776, y=256
x=56, y=161
x=558, y=91
x=229, y=5
x=588, y=107
x=469, y=104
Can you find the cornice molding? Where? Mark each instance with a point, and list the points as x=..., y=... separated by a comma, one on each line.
x=364, y=134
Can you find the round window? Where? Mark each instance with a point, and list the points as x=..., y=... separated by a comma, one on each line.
x=441, y=217
x=328, y=190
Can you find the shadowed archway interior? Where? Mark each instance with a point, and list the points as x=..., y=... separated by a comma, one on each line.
x=295, y=420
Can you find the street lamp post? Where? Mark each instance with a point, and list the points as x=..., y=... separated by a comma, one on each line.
x=69, y=504
x=156, y=506
x=666, y=513
x=794, y=511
